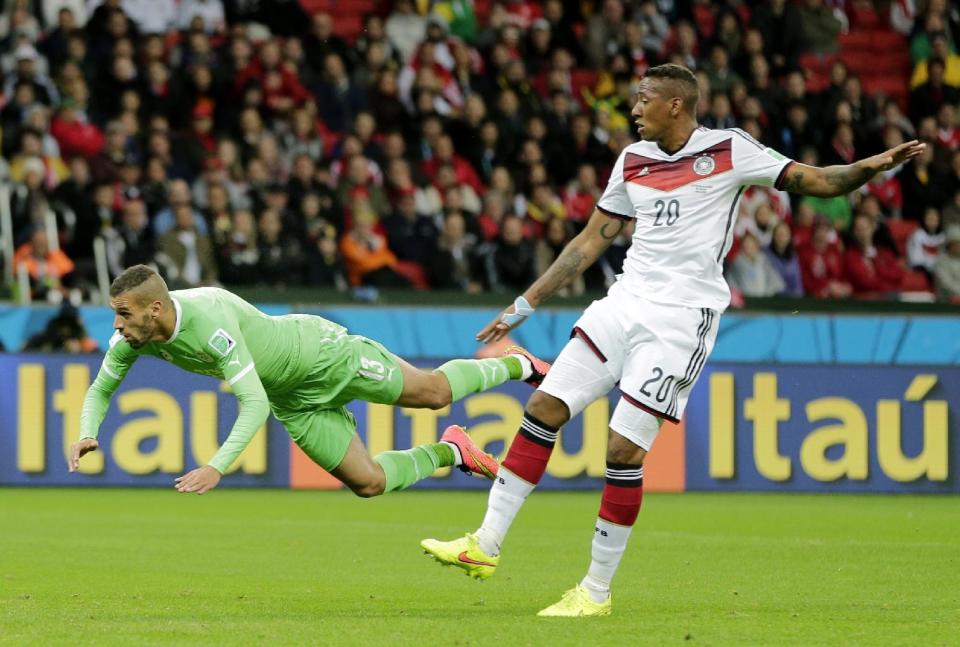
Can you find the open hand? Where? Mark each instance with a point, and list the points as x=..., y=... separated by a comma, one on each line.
x=78, y=449
x=896, y=156
x=203, y=479
x=497, y=329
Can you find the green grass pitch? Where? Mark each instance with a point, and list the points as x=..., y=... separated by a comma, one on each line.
x=138, y=567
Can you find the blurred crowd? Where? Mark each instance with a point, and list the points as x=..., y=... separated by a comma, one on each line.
x=451, y=144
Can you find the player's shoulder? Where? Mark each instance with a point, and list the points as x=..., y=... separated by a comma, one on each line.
x=206, y=300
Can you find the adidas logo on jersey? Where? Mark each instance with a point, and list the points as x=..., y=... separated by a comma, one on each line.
x=644, y=171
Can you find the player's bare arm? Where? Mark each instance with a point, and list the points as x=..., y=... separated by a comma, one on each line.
x=830, y=181
x=579, y=254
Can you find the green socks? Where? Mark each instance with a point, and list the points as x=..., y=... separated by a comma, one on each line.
x=474, y=375
x=404, y=468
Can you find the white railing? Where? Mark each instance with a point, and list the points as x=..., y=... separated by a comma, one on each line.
x=6, y=233
x=103, y=273
x=24, y=295
x=53, y=232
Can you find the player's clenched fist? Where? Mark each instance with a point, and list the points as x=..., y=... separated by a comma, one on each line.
x=199, y=480
x=78, y=449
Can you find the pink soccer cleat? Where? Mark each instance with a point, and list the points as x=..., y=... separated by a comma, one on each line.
x=540, y=367
x=475, y=462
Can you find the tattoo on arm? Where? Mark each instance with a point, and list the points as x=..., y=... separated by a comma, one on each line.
x=827, y=182
x=793, y=182
x=562, y=271
x=615, y=229
x=844, y=179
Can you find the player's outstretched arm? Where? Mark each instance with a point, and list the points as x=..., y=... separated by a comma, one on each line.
x=579, y=254
x=830, y=181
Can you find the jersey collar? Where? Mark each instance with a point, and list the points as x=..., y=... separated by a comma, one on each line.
x=677, y=152
x=176, y=327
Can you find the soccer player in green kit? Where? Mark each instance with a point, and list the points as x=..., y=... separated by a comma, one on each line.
x=301, y=367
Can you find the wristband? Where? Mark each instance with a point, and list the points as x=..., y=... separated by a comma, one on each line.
x=521, y=310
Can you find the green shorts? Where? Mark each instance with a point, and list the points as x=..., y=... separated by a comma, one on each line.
x=315, y=415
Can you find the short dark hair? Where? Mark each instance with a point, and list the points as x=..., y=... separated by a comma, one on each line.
x=131, y=278
x=683, y=81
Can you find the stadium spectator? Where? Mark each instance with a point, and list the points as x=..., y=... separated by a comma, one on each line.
x=184, y=252
x=512, y=263
x=784, y=259
x=751, y=272
x=946, y=269
x=132, y=241
x=556, y=234
x=64, y=333
x=281, y=257
x=925, y=244
x=921, y=186
x=367, y=258
x=178, y=193
x=872, y=270
x=50, y=271
x=927, y=98
x=822, y=265
x=411, y=236
x=452, y=263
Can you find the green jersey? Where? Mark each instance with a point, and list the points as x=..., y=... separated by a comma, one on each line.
x=219, y=334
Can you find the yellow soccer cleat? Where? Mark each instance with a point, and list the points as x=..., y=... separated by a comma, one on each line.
x=576, y=603
x=464, y=553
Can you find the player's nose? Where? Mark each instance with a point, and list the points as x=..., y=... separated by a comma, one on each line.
x=118, y=323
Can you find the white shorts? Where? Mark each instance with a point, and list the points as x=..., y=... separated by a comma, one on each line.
x=654, y=351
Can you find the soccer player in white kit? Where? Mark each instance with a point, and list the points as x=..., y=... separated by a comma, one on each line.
x=655, y=328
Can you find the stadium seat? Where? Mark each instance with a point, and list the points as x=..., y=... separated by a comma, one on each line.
x=817, y=63
x=863, y=17
x=855, y=40
x=914, y=281
x=885, y=42
x=859, y=62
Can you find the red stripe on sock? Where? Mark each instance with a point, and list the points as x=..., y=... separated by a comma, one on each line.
x=621, y=505
x=527, y=459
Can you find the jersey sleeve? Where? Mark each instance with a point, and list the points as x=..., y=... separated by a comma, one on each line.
x=615, y=201
x=758, y=164
x=117, y=361
x=232, y=353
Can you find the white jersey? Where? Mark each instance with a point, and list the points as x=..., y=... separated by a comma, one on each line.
x=684, y=205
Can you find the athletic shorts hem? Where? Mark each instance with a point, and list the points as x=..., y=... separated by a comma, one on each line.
x=648, y=408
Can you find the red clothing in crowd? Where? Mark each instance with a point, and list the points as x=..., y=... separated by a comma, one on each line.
x=887, y=190
x=875, y=270
x=820, y=268
x=76, y=137
x=279, y=83
x=461, y=167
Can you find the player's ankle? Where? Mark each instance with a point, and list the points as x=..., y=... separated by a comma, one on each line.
x=488, y=541
x=525, y=364
x=598, y=590
x=457, y=456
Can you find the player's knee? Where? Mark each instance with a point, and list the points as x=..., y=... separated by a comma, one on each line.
x=437, y=393
x=626, y=453
x=548, y=409
x=367, y=489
